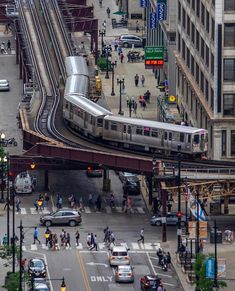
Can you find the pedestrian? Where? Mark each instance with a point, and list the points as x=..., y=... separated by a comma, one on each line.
x=129, y=203
x=201, y=245
x=3, y=51
x=143, y=104
x=98, y=203
x=108, y=12
x=36, y=204
x=18, y=202
x=67, y=241
x=59, y=202
x=4, y=239
x=47, y=235
x=92, y=240
x=40, y=204
x=137, y=28
x=77, y=237
x=46, y=198
x=148, y=95
x=141, y=236
x=142, y=80
x=88, y=240
x=8, y=45
x=135, y=107
x=7, y=204
x=160, y=287
x=136, y=80
x=106, y=234
x=62, y=237
x=169, y=206
x=35, y=236
x=168, y=259
x=71, y=200
x=94, y=243
x=90, y=198
x=81, y=206
x=121, y=57
x=112, y=204
x=124, y=208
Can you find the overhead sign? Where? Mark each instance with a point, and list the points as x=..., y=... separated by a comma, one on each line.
x=210, y=268
x=161, y=11
x=152, y=20
x=144, y=3
x=154, y=53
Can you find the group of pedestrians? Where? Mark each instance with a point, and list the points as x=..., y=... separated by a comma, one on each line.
x=41, y=202
x=137, y=78
x=5, y=47
x=92, y=241
x=109, y=237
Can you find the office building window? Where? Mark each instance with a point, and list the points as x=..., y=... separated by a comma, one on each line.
x=183, y=49
x=197, y=73
x=207, y=55
x=202, y=81
x=212, y=64
x=179, y=42
x=207, y=21
x=197, y=40
x=232, y=142
x=212, y=28
x=198, y=8
x=192, y=33
x=188, y=58
x=207, y=90
x=229, y=69
x=202, y=14
x=223, y=142
x=229, y=5
x=202, y=48
x=188, y=25
x=193, y=4
x=184, y=19
x=229, y=34
x=229, y=109
x=212, y=99
x=192, y=65
x=179, y=11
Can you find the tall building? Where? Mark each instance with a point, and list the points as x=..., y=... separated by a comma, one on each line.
x=205, y=73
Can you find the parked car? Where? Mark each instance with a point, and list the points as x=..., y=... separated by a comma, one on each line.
x=150, y=282
x=61, y=217
x=40, y=284
x=171, y=219
x=128, y=40
x=4, y=85
x=119, y=256
x=94, y=172
x=124, y=274
x=124, y=175
x=37, y=268
x=131, y=186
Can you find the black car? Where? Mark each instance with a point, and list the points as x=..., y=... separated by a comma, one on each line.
x=131, y=186
x=37, y=268
x=150, y=282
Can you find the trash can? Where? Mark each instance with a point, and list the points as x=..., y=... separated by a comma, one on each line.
x=219, y=237
x=215, y=207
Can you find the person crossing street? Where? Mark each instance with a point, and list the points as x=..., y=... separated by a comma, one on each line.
x=35, y=236
x=141, y=236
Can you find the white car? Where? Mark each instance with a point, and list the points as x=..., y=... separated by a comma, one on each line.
x=4, y=85
x=119, y=256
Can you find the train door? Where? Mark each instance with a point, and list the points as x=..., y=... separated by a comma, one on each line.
x=127, y=132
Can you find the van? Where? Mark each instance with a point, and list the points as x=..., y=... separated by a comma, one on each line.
x=23, y=183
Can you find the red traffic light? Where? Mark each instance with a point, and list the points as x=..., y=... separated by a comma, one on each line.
x=179, y=214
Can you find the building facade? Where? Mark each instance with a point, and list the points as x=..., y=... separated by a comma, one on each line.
x=205, y=70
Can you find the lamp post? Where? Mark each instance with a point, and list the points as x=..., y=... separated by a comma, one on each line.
x=186, y=204
x=3, y=161
x=113, y=66
x=179, y=199
x=121, y=83
x=102, y=34
x=63, y=285
x=107, y=63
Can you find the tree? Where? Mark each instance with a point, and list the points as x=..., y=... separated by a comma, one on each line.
x=204, y=284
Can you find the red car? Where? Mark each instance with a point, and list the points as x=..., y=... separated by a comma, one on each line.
x=150, y=282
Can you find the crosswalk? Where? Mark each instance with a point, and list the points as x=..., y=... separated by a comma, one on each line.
x=132, y=246
x=86, y=209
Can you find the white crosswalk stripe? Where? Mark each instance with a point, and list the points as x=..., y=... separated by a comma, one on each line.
x=108, y=209
x=79, y=247
x=101, y=246
x=119, y=209
x=135, y=246
x=33, y=247
x=87, y=209
x=140, y=210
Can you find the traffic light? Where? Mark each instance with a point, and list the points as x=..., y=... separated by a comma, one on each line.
x=32, y=165
x=179, y=214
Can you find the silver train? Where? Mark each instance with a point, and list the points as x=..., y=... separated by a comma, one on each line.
x=94, y=121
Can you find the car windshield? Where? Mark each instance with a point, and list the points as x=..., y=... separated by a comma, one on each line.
x=121, y=254
x=3, y=82
x=36, y=264
x=152, y=283
x=125, y=269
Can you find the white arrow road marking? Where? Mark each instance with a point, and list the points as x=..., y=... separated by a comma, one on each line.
x=97, y=264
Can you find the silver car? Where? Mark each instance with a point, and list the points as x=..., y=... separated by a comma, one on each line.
x=171, y=219
x=62, y=216
x=4, y=85
x=128, y=40
x=124, y=274
x=119, y=256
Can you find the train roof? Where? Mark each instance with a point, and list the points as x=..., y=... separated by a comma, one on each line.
x=153, y=124
x=87, y=105
x=76, y=84
x=76, y=65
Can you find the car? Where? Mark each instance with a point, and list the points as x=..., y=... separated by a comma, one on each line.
x=124, y=274
x=128, y=40
x=171, y=219
x=40, y=284
x=131, y=186
x=4, y=85
x=37, y=268
x=150, y=282
x=124, y=175
x=94, y=172
x=61, y=217
x=119, y=256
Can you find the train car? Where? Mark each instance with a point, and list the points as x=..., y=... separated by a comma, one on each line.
x=76, y=85
x=84, y=116
x=147, y=135
x=76, y=65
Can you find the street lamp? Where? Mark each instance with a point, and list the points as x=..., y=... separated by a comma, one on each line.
x=113, y=66
x=179, y=199
x=63, y=285
x=3, y=161
x=107, y=63
x=121, y=83
x=102, y=34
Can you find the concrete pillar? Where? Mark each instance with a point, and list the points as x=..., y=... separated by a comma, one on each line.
x=150, y=183
x=106, y=181
x=46, y=180
x=226, y=200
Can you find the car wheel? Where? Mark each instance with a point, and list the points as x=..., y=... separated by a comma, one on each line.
x=72, y=223
x=158, y=223
x=47, y=223
x=126, y=44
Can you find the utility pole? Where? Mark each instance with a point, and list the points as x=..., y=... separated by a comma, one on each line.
x=13, y=231
x=21, y=241
x=164, y=234
x=216, y=266
x=179, y=199
x=197, y=224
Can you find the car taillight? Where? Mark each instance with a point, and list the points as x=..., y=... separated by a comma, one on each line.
x=119, y=274
x=112, y=258
x=126, y=258
x=131, y=274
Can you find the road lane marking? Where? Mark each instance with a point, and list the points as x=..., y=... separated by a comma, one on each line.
x=83, y=271
x=140, y=210
x=79, y=247
x=119, y=209
x=151, y=264
x=33, y=247
x=135, y=246
x=148, y=246
x=87, y=209
x=22, y=211
x=101, y=246
x=164, y=275
x=108, y=209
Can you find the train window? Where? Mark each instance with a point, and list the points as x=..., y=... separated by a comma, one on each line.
x=181, y=137
x=91, y=120
x=113, y=126
x=189, y=138
x=106, y=125
x=196, y=139
x=100, y=122
x=154, y=133
x=66, y=105
x=129, y=129
x=165, y=135
x=124, y=128
x=170, y=135
x=139, y=130
x=147, y=131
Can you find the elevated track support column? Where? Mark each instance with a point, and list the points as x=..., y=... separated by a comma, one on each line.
x=106, y=181
x=149, y=178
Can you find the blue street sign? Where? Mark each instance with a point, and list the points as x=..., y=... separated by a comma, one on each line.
x=152, y=20
x=161, y=11
x=210, y=268
x=144, y=3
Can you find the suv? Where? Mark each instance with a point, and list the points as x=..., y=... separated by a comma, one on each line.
x=37, y=268
x=129, y=40
x=131, y=186
x=119, y=256
x=171, y=219
x=63, y=216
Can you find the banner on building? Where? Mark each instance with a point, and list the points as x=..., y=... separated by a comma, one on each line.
x=161, y=11
x=210, y=268
x=144, y=3
x=195, y=207
x=152, y=20
x=192, y=227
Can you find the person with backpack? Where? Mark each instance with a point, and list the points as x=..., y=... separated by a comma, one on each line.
x=108, y=12
x=35, y=236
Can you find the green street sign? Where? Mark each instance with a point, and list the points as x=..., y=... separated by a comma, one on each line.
x=154, y=52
